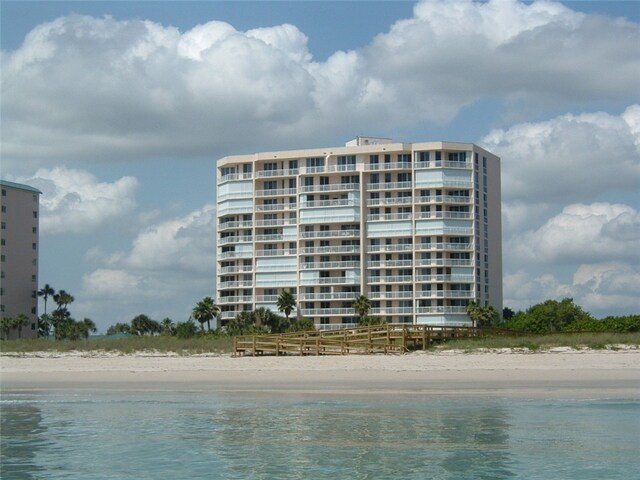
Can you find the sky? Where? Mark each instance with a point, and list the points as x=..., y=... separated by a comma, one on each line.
x=118, y=111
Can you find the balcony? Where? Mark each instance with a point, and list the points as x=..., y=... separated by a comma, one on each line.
x=331, y=249
x=235, y=239
x=341, y=202
x=328, y=265
x=392, y=311
x=389, y=186
x=276, y=222
x=441, y=309
x=390, y=279
x=390, y=263
x=276, y=192
x=236, y=269
x=277, y=173
x=389, y=216
x=331, y=281
x=445, y=278
x=329, y=296
x=234, y=225
x=456, y=199
x=234, y=254
x=390, y=295
x=445, y=294
x=327, y=312
x=235, y=176
x=445, y=215
x=275, y=253
x=236, y=284
x=444, y=164
x=443, y=262
x=235, y=299
x=389, y=201
x=335, y=187
x=330, y=233
x=390, y=248
x=444, y=246
x=373, y=167
x=274, y=237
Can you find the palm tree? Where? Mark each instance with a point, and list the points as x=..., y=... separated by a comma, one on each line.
x=168, y=327
x=62, y=299
x=286, y=303
x=479, y=315
x=204, y=311
x=6, y=324
x=20, y=321
x=90, y=324
x=141, y=325
x=46, y=292
x=362, y=305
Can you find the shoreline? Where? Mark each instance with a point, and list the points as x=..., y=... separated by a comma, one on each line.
x=555, y=373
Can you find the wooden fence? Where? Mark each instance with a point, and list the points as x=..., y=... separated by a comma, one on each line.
x=388, y=338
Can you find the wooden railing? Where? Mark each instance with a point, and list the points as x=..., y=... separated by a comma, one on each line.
x=388, y=338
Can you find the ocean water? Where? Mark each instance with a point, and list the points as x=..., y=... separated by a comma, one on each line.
x=193, y=435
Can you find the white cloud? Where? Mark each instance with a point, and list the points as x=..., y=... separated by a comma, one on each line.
x=102, y=89
x=593, y=233
x=569, y=158
x=106, y=283
x=74, y=201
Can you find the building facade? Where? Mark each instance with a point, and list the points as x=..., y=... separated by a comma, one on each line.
x=416, y=228
x=19, y=249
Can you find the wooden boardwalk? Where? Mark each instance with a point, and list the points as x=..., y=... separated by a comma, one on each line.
x=388, y=338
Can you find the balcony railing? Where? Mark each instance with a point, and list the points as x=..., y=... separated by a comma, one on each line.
x=276, y=192
x=390, y=279
x=330, y=233
x=389, y=295
x=445, y=278
x=389, y=201
x=236, y=269
x=275, y=253
x=447, y=215
x=233, y=225
x=444, y=246
x=235, y=299
x=235, y=176
x=443, y=164
x=234, y=254
x=274, y=237
x=326, y=312
x=235, y=239
x=328, y=265
x=389, y=263
x=277, y=173
x=444, y=294
x=276, y=222
x=389, y=216
x=341, y=202
x=458, y=199
x=331, y=281
x=443, y=262
x=236, y=284
x=390, y=248
x=331, y=249
x=329, y=296
x=331, y=187
x=392, y=311
x=441, y=309
x=389, y=186
x=389, y=166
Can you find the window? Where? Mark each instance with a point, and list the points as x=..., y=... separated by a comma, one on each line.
x=373, y=159
x=293, y=164
x=33, y=246
x=4, y=192
x=346, y=159
x=315, y=162
x=4, y=208
x=35, y=214
x=4, y=225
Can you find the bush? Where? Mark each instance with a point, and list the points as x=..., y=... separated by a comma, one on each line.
x=302, y=325
x=186, y=329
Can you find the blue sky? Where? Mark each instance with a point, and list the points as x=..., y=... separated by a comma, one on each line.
x=118, y=111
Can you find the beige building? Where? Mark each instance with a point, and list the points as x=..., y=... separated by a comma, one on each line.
x=415, y=227
x=19, y=270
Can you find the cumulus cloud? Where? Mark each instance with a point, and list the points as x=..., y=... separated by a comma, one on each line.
x=584, y=155
x=74, y=201
x=582, y=234
x=100, y=88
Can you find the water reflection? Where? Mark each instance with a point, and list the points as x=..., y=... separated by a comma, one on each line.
x=22, y=436
x=362, y=440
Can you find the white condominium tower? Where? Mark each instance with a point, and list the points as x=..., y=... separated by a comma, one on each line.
x=415, y=227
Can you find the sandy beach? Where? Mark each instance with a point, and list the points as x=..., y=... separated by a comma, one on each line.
x=559, y=372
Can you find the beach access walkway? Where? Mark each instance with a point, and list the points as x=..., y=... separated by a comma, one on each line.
x=388, y=338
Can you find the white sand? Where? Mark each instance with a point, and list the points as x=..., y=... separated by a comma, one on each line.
x=560, y=372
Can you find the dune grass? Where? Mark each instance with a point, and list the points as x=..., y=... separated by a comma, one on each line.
x=126, y=345
x=596, y=341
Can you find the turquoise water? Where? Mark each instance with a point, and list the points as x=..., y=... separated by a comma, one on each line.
x=174, y=435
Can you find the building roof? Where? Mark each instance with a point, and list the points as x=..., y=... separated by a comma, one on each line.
x=6, y=183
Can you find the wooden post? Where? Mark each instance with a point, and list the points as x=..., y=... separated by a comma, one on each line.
x=424, y=337
x=253, y=353
x=277, y=346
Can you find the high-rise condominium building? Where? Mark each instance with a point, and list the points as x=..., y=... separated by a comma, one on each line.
x=19, y=266
x=415, y=227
